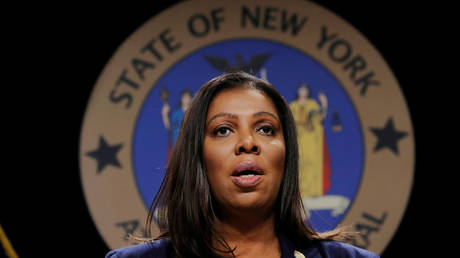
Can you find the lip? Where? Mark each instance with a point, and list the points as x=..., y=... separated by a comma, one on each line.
x=247, y=165
x=247, y=181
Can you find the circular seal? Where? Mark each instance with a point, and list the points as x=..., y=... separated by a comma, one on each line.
x=354, y=130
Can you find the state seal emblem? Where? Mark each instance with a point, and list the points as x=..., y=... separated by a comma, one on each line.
x=355, y=134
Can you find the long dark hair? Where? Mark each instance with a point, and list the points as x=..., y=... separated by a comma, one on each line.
x=184, y=207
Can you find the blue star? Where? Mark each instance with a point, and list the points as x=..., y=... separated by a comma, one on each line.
x=105, y=155
x=388, y=137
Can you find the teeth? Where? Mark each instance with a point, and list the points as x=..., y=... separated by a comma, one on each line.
x=248, y=175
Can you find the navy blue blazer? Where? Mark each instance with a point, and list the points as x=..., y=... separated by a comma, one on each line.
x=320, y=249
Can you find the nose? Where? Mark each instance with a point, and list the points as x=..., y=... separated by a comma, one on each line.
x=247, y=144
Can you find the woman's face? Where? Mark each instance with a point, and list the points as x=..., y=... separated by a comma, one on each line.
x=244, y=150
x=303, y=92
x=186, y=99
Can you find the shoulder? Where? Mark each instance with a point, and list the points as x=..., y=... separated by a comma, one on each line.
x=312, y=103
x=177, y=112
x=155, y=249
x=340, y=249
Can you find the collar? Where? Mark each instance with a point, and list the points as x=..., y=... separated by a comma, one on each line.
x=288, y=249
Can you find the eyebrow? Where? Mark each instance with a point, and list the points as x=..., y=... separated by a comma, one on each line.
x=234, y=116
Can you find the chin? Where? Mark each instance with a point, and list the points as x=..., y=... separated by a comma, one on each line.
x=251, y=202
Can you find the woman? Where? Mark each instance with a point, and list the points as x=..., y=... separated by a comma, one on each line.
x=314, y=164
x=173, y=120
x=231, y=188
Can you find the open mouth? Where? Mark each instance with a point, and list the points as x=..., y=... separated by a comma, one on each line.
x=247, y=173
x=247, y=168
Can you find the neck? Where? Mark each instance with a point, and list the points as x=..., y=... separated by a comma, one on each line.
x=250, y=233
x=302, y=99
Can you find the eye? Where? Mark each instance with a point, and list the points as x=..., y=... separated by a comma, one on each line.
x=267, y=130
x=222, y=131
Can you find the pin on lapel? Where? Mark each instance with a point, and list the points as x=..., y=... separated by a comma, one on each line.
x=298, y=254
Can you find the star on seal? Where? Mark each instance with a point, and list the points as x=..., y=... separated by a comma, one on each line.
x=105, y=154
x=388, y=137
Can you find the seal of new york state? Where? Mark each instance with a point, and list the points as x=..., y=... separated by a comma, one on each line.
x=354, y=129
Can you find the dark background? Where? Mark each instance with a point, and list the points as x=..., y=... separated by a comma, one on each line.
x=43, y=209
